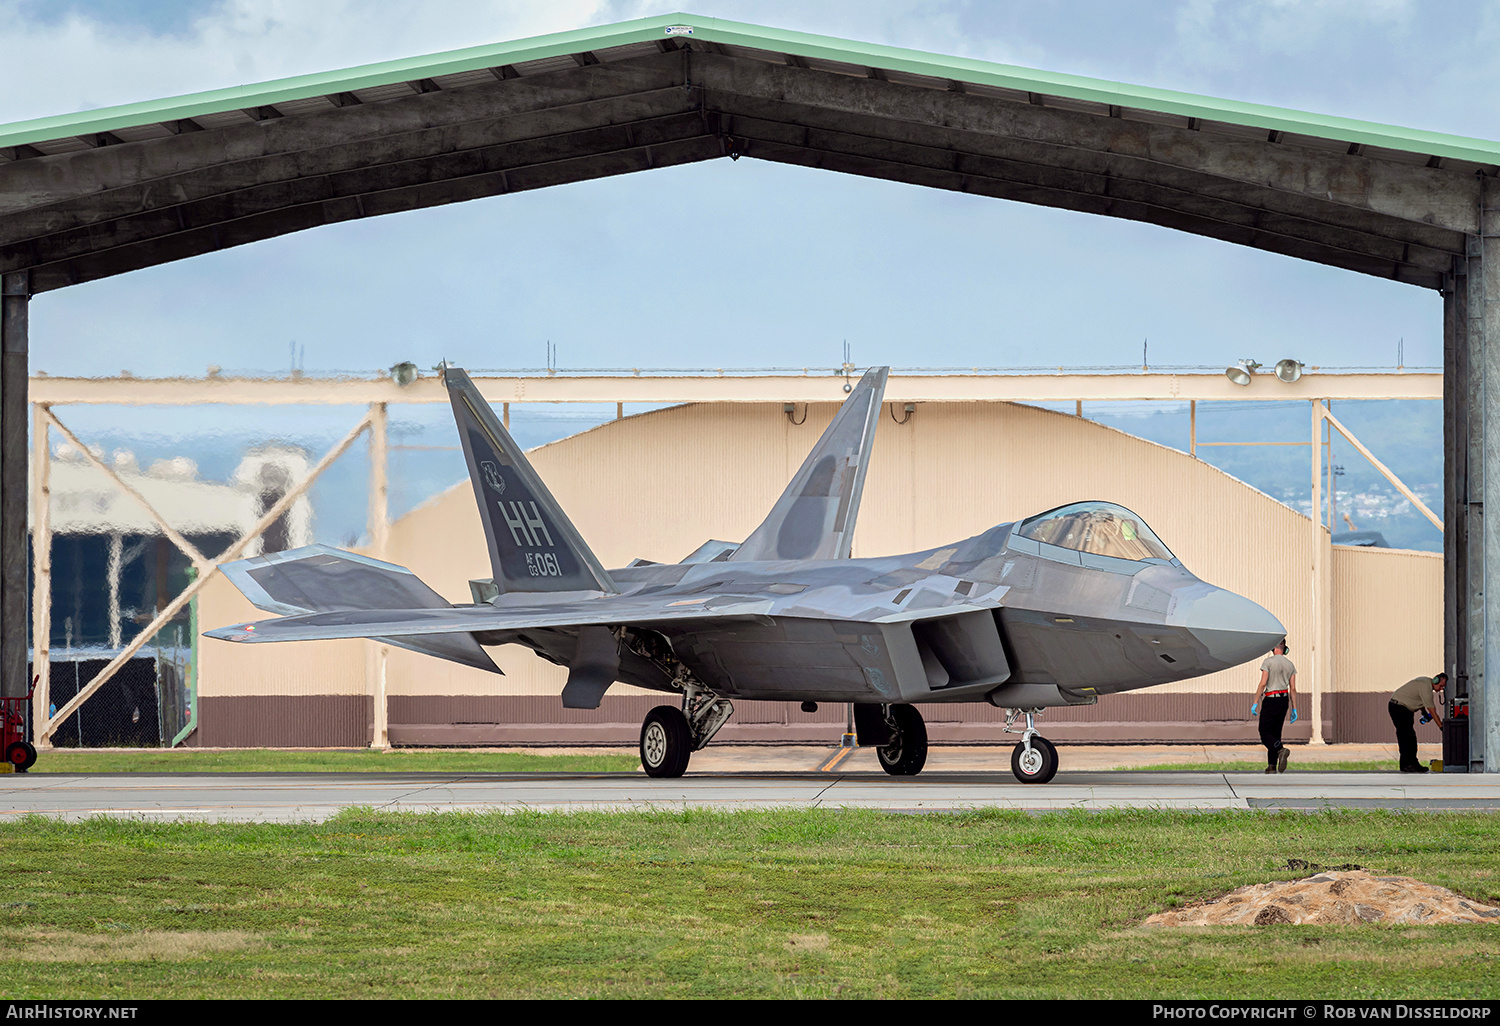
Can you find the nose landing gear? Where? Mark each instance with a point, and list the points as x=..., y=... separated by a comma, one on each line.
x=1034, y=760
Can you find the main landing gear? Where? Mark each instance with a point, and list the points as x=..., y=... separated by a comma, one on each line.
x=670, y=736
x=897, y=734
x=1034, y=760
x=905, y=753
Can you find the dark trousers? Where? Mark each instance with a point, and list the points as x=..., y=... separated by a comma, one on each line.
x=1406, y=734
x=1272, y=714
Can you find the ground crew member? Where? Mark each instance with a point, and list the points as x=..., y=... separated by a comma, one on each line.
x=1277, y=693
x=1417, y=693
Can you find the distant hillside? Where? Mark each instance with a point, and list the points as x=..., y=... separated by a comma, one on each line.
x=1406, y=435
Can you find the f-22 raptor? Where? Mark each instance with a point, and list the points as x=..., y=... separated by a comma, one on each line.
x=1054, y=610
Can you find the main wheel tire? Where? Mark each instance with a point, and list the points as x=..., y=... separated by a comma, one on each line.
x=1036, y=766
x=21, y=755
x=906, y=753
x=666, y=742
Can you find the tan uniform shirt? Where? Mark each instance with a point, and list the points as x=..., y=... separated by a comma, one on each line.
x=1279, y=670
x=1415, y=694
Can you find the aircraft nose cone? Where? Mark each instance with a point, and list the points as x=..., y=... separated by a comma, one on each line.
x=1232, y=628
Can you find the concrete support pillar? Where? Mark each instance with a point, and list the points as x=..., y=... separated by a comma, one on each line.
x=1471, y=468
x=15, y=302
x=1456, y=483
x=1484, y=329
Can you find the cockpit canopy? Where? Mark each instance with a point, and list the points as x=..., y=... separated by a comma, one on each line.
x=1098, y=528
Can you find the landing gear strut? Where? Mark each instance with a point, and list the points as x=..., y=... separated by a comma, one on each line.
x=1034, y=760
x=670, y=736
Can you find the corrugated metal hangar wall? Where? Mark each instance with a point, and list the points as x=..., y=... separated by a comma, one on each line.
x=659, y=484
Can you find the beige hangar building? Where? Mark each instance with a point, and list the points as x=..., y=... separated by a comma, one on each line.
x=659, y=484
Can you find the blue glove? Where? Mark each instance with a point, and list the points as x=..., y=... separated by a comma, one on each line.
x=1294, y=715
x=1254, y=708
x=1426, y=717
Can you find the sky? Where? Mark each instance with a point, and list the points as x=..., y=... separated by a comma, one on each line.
x=753, y=264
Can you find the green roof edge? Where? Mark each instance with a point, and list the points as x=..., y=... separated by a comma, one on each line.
x=717, y=30
x=407, y=69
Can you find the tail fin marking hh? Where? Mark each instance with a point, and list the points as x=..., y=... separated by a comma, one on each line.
x=533, y=545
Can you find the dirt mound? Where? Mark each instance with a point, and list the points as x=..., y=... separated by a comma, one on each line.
x=1333, y=897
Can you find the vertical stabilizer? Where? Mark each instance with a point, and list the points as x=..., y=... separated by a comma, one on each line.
x=533, y=545
x=814, y=518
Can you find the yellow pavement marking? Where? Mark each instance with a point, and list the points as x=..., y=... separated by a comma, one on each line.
x=832, y=764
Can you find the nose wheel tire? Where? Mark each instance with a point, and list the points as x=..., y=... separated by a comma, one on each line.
x=666, y=742
x=906, y=753
x=21, y=755
x=1036, y=766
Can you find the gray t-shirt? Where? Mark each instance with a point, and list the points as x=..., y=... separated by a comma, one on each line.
x=1279, y=671
x=1415, y=694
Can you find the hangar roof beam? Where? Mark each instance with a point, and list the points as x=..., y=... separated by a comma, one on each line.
x=192, y=174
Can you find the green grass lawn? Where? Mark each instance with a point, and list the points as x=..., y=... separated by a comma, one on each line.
x=252, y=760
x=820, y=903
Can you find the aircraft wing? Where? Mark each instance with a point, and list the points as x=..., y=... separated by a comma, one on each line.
x=416, y=623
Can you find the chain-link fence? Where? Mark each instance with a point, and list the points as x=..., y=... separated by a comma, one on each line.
x=146, y=704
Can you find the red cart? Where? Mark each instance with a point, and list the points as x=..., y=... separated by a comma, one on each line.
x=18, y=751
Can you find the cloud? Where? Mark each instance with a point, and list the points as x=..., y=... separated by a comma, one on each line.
x=81, y=60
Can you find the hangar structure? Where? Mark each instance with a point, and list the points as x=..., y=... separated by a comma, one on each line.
x=88, y=195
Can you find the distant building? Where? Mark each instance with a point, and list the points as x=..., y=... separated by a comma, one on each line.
x=113, y=571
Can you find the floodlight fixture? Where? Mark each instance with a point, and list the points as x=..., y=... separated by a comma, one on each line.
x=1289, y=370
x=404, y=373
x=1242, y=372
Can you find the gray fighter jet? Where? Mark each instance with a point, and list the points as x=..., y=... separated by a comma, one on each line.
x=1055, y=610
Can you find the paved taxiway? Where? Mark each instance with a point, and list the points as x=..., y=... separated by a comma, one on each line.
x=737, y=779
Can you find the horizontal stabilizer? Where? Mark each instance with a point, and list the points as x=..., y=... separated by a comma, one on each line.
x=316, y=578
x=321, y=579
x=814, y=518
